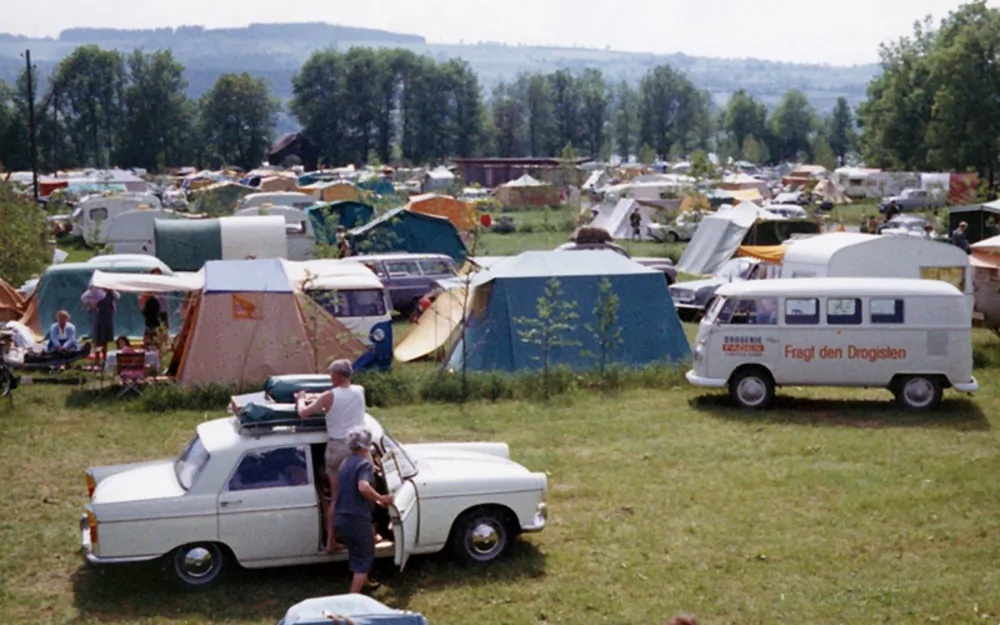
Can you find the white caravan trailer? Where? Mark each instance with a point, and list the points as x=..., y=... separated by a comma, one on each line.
x=93, y=215
x=294, y=199
x=133, y=231
x=298, y=228
x=912, y=337
x=854, y=255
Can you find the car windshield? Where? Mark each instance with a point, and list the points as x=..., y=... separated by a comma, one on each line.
x=735, y=269
x=190, y=463
x=407, y=468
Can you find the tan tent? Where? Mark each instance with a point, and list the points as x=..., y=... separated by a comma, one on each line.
x=435, y=327
x=247, y=322
x=526, y=193
x=333, y=191
x=828, y=191
x=12, y=305
x=272, y=184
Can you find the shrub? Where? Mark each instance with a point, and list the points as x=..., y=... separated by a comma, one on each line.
x=526, y=228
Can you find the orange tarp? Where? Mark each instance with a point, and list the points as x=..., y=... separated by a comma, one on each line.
x=12, y=305
x=769, y=253
x=462, y=215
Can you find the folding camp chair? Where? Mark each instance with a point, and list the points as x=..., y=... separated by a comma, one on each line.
x=130, y=369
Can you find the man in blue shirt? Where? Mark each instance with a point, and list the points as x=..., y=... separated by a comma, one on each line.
x=355, y=495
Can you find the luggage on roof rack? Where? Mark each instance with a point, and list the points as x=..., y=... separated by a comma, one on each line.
x=256, y=412
x=282, y=388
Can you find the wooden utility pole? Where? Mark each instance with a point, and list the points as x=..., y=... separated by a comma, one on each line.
x=31, y=126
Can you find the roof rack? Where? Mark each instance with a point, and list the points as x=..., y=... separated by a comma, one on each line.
x=258, y=414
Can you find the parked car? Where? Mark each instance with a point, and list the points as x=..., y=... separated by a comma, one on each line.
x=913, y=200
x=356, y=609
x=251, y=496
x=681, y=229
x=911, y=225
x=408, y=277
x=788, y=211
x=692, y=299
x=664, y=265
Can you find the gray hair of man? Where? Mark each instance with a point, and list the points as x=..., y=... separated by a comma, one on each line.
x=342, y=367
x=359, y=438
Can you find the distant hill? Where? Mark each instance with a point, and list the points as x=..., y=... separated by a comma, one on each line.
x=276, y=51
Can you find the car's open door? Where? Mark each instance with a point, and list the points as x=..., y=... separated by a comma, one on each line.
x=404, y=515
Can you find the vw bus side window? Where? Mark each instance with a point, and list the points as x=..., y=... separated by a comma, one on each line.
x=713, y=312
x=763, y=311
x=801, y=312
x=887, y=311
x=843, y=312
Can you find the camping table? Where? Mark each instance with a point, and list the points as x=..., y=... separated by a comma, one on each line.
x=152, y=361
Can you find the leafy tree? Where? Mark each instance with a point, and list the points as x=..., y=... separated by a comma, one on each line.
x=752, y=150
x=607, y=327
x=823, y=153
x=701, y=165
x=625, y=120
x=157, y=121
x=23, y=239
x=646, y=155
x=319, y=89
x=669, y=107
x=841, y=130
x=550, y=328
x=566, y=105
x=792, y=123
x=594, y=94
x=508, y=121
x=90, y=83
x=536, y=94
x=744, y=117
x=237, y=119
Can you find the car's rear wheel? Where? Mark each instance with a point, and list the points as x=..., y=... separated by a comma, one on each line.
x=481, y=535
x=198, y=565
x=918, y=393
x=671, y=237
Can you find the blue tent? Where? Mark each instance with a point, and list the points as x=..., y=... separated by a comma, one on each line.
x=346, y=213
x=402, y=230
x=506, y=295
x=379, y=185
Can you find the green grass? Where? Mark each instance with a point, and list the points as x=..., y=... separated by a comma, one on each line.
x=831, y=508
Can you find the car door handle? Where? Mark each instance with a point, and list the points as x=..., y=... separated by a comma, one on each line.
x=234, y=502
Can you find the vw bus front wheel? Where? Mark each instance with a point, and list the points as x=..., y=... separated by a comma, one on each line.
x=752, y=387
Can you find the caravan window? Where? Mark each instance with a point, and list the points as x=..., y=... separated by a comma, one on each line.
x=401, y=268
x=97, y=214
x=887, y=311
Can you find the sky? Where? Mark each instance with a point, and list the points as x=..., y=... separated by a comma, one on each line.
x=839, y=32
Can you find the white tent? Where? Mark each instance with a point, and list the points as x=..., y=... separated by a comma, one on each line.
x=616, y=220
x=148, y=282
x=133, y=231
x=720, y=235
x=525, y=181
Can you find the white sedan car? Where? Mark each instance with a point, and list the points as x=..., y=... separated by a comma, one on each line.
x=252, y=497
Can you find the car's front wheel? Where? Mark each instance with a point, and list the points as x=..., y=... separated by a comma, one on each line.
x=481, y=535
x=198, y=565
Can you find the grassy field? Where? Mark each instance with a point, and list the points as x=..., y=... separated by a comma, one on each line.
x=831, y=508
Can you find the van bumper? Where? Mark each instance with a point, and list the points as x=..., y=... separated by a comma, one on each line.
x=698, y=380
x=966, y=387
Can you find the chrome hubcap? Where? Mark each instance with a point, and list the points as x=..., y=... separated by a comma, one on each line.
x=751, y=390
x=918, y=392
x=484, y=538
x=197, y=563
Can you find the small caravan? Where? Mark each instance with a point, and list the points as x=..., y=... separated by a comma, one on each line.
x=912, y=337
x=133, y=232
x=295, y=199
x=298, y=228
x=853, y=255
x=93, y=216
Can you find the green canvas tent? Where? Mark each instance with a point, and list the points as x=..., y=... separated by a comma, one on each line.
x=326, y=216
x=979, y=217
x=402, y=230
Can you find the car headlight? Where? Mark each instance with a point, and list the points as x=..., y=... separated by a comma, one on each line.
x=699, y=352
x=378, y=335
x=683, y=296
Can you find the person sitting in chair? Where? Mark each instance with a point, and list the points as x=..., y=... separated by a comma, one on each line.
x=62, y=335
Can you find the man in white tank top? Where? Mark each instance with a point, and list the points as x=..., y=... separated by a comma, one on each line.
x=344, y=407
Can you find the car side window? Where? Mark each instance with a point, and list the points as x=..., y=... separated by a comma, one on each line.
x=801, y=312
x=401, y=268
x=887, y=311
x=271, y=468
x=435, y=267
x=843, y=311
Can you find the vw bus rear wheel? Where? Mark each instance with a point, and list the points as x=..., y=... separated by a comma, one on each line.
x=918, y=393
x=752, y=388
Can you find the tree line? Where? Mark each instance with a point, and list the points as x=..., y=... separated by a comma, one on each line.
x=934, y=107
